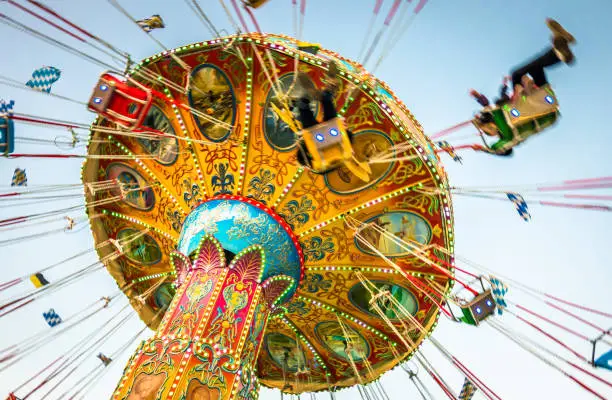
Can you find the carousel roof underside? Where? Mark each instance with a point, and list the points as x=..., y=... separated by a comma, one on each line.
x=256, y=157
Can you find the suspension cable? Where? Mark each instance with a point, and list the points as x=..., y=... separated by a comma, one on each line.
x=19, y=26
x=197, y=10
x=382, y=30
x=377, y=6
x=114, y=49
x=547, y=362
x=56, y=26
x=394, y=39
x=118, y=7
x=4, y=80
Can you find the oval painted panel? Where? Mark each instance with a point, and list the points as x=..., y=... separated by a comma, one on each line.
x=408, y=226
x=332, y=335
x=164, y=295
x=360, y=297
x=165, y=148
x=366, y=144
x=284, y=351
x=141, y=249
x=138, y=194
x=277, y=133
x=211, y=93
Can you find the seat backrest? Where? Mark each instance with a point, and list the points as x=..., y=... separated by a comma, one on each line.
x=102, y=94
x=541, y=102
x=328, y=143
x=536, y=125
x=326, y=134
x=7, y=135
x=524, y=131
x=119, y=101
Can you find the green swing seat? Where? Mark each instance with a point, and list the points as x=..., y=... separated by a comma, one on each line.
x=528, y=116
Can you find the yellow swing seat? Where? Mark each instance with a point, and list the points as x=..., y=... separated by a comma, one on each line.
x=329, y=146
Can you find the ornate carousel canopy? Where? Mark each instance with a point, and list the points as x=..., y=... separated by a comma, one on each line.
x=229, y=168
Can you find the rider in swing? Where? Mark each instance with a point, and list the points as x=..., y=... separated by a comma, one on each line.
x=525, y=80
x=305, y=114
x=309, y=154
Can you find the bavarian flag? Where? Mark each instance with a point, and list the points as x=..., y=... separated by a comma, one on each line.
x=6, y=107
x=19, y=178
x=43, y=78
x=153, y=22
x=520, y=204
x=468, y=390
x=38, y=280
x=105, y=359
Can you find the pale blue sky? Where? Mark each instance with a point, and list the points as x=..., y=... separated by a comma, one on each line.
x=451, y=47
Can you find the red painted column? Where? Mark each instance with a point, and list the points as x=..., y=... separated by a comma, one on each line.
x=208, y=342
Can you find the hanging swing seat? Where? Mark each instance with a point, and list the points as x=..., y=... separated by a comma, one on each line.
x=479, y=308
x=329, y=146
x=121, y=103
x=604, y=360
x=7, y=134
x=517, y=121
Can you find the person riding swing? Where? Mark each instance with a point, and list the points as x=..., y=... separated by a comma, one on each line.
x=533, y=106
x=323, y=146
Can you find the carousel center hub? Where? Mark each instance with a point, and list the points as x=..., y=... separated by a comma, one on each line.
x=239, y=222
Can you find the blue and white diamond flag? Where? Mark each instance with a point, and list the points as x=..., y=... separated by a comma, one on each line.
x=520, y=204
x=6, y=107
x=43, y=78
x=52, y=318
x=498, y=290
x=19, y=178
x=468, y=390
x=153, y=22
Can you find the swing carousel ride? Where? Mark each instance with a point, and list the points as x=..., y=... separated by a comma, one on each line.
x=251, y=267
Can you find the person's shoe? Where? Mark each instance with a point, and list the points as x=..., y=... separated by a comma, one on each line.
x=558, y=31
x=563, y=51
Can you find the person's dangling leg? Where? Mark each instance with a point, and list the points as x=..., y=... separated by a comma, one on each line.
x=559, y=52
x=332, y=83
x=306, y=116
x=329, y=108
x=535, y=68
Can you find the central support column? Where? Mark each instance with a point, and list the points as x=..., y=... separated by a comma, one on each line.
x=207, y=344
